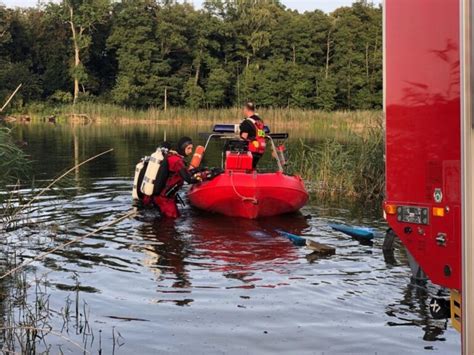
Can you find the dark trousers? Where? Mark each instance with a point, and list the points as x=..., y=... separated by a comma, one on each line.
x=256, y=158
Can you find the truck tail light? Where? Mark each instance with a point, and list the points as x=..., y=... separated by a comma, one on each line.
x=391, y=209
x=438, y=211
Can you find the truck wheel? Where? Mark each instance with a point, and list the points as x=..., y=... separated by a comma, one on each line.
x=418, y=276
x=389, y=241
x=388, y=246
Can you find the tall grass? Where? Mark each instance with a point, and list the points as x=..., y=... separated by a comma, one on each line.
x=13, y=161
x=276, y=116
x=353, y=169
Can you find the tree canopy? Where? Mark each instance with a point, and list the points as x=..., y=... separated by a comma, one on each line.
x=142, y=53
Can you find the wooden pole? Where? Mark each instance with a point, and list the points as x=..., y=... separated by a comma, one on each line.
x=166, y=99
x=10, y=98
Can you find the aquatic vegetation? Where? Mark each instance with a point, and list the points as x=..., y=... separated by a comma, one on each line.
x=336, y=124
x=28, y=321
x=27, y=326
x=335, y=168
x=14, y=164
x=97, y=111
x=13, y=161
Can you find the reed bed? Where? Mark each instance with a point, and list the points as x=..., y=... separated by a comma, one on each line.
x=293, y=117
x=28, y=317
x=344, y=169
x=13, y=161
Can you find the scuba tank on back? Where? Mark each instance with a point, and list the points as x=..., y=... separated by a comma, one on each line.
x=140, y=169
x=156, y=173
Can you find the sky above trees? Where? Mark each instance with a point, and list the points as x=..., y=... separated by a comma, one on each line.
x=300, y=5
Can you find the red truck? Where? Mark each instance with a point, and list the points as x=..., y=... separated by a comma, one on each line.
x=428, y=107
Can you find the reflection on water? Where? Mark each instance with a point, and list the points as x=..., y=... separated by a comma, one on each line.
x=237, y=247
x=207, y=284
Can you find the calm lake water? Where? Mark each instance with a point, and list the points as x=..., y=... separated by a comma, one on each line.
x=204, y=283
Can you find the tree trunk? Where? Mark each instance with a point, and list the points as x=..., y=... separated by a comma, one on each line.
x=374, y=63
x=238, y=86
x=198, y=72
x=76, y=80
x=349, y=85
x=294, y=54
x=77, y=54
x=198, y=69
x=328, y=52
x=166, y=99
x=367, y=61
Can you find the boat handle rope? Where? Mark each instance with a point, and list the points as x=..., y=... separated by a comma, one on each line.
x=244, y=198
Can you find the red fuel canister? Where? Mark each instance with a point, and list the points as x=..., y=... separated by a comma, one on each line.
x=241, y=161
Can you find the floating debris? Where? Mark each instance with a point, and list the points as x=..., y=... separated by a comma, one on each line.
x=129, y=319
x=318, y=248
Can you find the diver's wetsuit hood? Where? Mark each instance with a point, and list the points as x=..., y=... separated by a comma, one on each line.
x=182, y=144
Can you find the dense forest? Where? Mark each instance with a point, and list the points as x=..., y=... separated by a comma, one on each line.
x=141, y=53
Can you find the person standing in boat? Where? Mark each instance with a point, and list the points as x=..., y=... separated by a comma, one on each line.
x=252, y=130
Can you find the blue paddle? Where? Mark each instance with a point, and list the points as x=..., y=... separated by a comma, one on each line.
x=318, y=248
x=354, y=231
x=295, y=239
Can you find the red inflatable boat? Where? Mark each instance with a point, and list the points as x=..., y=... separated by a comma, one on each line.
x=243, y=192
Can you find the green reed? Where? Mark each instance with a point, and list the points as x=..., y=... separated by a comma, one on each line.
x=13, y=161
x=278, y=116
x=352, y=168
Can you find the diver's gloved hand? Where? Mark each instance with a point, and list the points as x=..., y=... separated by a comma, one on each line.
x=210, y=174
x=216, y=171
x=197, y=170
x=198, y=177
x=207, y=174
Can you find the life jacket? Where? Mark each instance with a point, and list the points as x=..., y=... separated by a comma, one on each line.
x=258, y=144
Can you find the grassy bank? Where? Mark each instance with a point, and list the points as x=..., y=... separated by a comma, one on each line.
x=278, y=117
x=300, y=123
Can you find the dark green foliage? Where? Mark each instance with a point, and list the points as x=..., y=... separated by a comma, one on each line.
x=217, y=88
x=146, y=53
x=140, y=68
